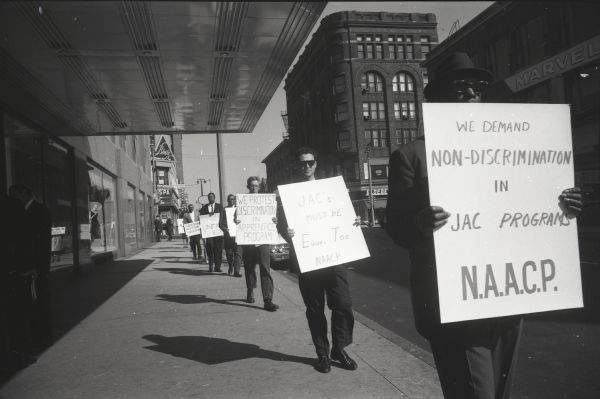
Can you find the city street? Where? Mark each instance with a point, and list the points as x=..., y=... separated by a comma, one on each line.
x=559, y=355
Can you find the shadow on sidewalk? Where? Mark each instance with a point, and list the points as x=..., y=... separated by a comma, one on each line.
x=209, y=350
x=76, y=294
x=194, y=299
x=189, y=272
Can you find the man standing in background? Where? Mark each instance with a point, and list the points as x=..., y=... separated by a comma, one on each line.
x=214, y=245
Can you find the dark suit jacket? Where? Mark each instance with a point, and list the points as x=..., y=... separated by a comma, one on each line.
x=39, y=224
x=218, y=209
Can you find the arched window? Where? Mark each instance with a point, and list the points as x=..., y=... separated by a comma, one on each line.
x=403, y=82
x=372, y=81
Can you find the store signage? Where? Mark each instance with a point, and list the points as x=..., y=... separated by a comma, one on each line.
x=556, y=65
x=164, y=191
x=377, y=191
x=379, y=172
x=163, y=152
x=56, y=231
x=508, y=247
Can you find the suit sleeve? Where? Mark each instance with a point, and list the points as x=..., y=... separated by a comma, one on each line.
x=404, y=201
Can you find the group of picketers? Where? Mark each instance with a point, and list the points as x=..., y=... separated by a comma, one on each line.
x=474, y=359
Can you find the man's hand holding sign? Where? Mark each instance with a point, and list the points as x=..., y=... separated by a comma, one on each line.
x=509, y=246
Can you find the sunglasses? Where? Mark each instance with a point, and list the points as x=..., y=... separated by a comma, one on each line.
x=462, y=85
x=310, y=163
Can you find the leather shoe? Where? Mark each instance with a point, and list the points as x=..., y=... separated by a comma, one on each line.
x=250, y=297
x=237, y=275
x=270, y=306
x=323, y=365
x=346, y=361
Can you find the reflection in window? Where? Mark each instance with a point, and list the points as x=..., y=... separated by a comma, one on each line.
x=103, y=211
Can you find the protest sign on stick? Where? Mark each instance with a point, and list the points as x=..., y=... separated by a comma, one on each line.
x=321, y=214
x=192, y=229
x=498, y=169
x=180, y=229
x=209, y=225
x=256, y=213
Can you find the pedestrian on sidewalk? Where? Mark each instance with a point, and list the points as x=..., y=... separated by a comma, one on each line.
x=233, y=252
x=214, y=245
x=330, y=282
x=169, y=228
x=253, y=254
x=475, y=359
x=157, y=227
x=39, y=222
x=195, y=240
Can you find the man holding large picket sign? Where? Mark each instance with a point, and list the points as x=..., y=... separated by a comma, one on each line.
x=509, y=246
x=318, y=221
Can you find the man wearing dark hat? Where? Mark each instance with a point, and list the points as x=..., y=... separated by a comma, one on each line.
x=475, y=359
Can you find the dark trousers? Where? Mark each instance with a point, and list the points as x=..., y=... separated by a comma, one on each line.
x=253, y=255
x=195, y=246
x=41, y=314
x=157, y=235
x=331, y=282
x=214, y=252
x=16, y=316
x=233, y=252
x=477, y=360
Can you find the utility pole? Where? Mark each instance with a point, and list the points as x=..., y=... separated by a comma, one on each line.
x=372, y=214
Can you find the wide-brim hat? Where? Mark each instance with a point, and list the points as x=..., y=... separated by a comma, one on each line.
x=456, y=65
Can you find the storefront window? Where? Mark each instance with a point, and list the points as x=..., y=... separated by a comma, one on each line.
x=102, y=208
x=58, y=179
x=44, y=165
x=129, y=215
x=141, y=219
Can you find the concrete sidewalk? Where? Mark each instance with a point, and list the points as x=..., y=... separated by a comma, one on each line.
x=173, y=330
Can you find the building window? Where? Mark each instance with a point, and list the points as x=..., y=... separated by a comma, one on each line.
x=337, y=53
x=163, y=176
x=339, y=84
x=404, y=136
x=376, y=137
x=379, y=51
x=391, y=48
x=404, y=110
x=374, y=111
x=425, y=78
x=369, y=51
x=341, y=112
x=372, y=81
x=344, y=142
x=425, y=46
x=403, y=82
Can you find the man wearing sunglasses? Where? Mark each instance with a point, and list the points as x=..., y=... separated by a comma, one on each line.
x=475, y=359
x=315, y=285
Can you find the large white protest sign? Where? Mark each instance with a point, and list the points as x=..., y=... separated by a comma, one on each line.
x=321, y=214
x=256, y=213
x=180, y=229
x=192, y=229
x=209, y=225
x=507, y=248
x=231, y=226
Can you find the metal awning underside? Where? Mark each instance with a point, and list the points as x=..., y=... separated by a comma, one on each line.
x=110, y=68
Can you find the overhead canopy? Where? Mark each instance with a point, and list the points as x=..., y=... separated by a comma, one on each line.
x=110, y=68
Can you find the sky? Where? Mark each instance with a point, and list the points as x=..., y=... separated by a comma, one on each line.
x=243, y=153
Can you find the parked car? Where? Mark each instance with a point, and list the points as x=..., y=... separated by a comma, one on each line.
x=280, y=254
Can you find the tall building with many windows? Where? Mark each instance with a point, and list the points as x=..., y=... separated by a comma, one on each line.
x=355, y=94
